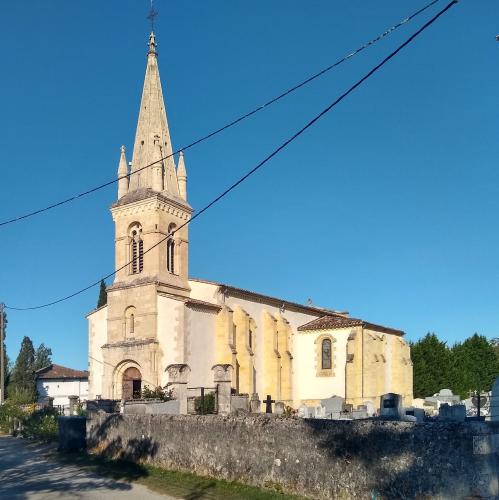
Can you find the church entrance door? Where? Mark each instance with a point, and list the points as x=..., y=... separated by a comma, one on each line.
x=132, y=384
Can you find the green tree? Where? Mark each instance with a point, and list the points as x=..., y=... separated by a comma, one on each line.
x=42, y=357
x=495, y=344
x=22, y=384
x=475, y=365
x=5, y=357
x=102, y=294
x=431, y=360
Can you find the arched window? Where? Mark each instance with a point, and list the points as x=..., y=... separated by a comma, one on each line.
x=326, y=362
x=170, y=249
x=129, y=322
x=136, y=248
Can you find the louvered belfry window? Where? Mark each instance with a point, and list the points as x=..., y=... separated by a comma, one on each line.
x=170, y=255
x=136, y=249
x=170, y=249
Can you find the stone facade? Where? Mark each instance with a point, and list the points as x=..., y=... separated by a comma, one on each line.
x=156, y=316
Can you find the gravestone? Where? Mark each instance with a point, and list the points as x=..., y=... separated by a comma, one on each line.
x=303, y=411
x=279, y=408
x=333, y=407
x=319, y=412
x=239, y=403
x=417, y=413
x=360, y=412
x=443, y=396
x=454, y=413
x=255, y=404
x=268, y=403
x=494, y=402
x=370, y=408
x=390, y=406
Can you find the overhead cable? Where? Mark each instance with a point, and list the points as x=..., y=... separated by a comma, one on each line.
x=259, y=165
x=228, y=125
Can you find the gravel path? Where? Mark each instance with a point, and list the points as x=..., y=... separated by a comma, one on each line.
x=27, y=472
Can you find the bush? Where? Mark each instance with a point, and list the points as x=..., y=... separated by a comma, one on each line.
x=41, y=424
x=38, y=424
x=157, y=393
x=9, y=412
x=207, y=406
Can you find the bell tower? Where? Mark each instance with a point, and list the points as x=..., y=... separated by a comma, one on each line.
x=152, y=200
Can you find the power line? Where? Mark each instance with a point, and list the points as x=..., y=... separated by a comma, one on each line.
x=230, y=124
x=259, y=165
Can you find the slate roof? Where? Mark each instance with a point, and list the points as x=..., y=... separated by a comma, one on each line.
x=334, y=322
x=54, y=371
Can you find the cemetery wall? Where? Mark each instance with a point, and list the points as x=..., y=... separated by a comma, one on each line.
x=315, y=458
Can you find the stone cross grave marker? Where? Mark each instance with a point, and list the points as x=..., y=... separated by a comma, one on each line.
x=268, y=404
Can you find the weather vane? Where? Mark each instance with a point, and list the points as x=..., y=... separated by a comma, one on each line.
x=152, y=15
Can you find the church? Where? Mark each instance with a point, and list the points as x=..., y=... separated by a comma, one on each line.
x=157, y=316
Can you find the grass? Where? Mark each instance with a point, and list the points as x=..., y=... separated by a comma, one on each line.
x=174, y=483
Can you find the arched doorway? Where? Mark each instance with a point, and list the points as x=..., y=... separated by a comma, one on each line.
x=132, y=384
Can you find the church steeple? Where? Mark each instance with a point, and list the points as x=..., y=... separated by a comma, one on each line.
x=152, y=138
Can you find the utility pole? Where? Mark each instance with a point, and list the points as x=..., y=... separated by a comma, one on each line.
x=2, y=354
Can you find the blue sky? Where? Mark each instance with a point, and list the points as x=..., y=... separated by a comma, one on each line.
x=386, y=208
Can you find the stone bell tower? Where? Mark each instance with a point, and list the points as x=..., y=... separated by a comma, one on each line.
x=151, y=246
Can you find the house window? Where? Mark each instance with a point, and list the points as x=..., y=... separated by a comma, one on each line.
x=250, y=339
x=326, y=354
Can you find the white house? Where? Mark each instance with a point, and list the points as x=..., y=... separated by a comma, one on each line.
x=59, y=382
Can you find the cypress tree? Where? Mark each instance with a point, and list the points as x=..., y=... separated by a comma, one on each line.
x=102, y=294
x=495, y=344
x=475, y=365
x=5, y=357
x=42, y=357
x=431, y=360
x=22, y=384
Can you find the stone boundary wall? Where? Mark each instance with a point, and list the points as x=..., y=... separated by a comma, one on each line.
x=314, y=458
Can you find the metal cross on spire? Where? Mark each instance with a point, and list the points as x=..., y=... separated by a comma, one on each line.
x=152, y=15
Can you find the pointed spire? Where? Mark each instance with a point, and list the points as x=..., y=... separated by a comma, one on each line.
x=157, y=168
x=152, y=44
x=122, y=174
x=153, y=124
x=182, y=176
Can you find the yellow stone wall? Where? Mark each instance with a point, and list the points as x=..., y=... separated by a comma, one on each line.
x=380, y=364
x=402, y=375
x=284, y=348
x=271, y=361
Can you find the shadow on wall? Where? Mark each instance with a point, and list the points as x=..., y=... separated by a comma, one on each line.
x=134, y=449
x=407, y=460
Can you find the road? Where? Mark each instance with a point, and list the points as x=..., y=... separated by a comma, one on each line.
x=27, y=472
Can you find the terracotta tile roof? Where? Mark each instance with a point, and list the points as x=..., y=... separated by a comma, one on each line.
x=330, y=322
x=54, y=371
x=334, y=322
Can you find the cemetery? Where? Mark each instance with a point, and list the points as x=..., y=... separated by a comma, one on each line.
x=397, y=453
